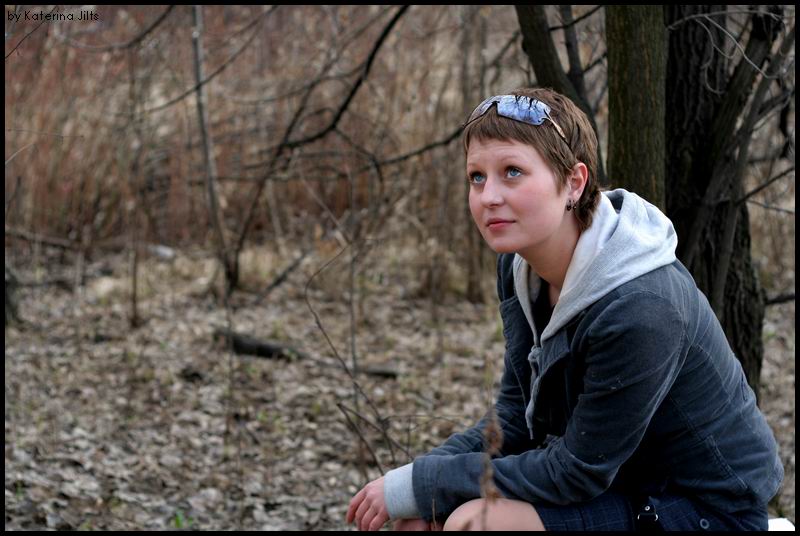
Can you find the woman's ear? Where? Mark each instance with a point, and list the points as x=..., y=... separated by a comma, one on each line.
x=578, y=179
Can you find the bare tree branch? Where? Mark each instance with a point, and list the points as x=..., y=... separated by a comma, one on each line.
x=726, y=139
x=123, y=46
x=770, y=207
x=219, y=69
x=595, y=63
x=780, y=298
x=765, y=185
x=346, y=103
x=47, y=240
x=575, y=73
x=29, y=33
x=425, y=148
x=543, y=57
x=10, y=200
x=42, y=133
x=364, y=442
x=573, y=23
x=10, y=158
x=287, y=144
x=330, y=343
x=745, y=134
x=776, y=154
x=726, y=12
x=283, y=276
x=214, y=213
x=341, y=76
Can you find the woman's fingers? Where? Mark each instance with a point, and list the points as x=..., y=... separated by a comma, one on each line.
x=366, y=519
x=367, y=508
x=355, y=502
x=378, y=521
x=362, y=510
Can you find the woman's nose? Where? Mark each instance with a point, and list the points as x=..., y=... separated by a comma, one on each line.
x=491, y=194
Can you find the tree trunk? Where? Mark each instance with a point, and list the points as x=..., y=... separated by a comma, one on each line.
x=713, y=232
x=744, y=303
x=229, y=265
x=470, y=83
x=541, y=51
x=636, y=40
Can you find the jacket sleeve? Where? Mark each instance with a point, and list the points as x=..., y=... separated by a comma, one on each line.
x=631, y=363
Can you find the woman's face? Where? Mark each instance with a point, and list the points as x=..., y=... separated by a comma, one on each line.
x=510, y=184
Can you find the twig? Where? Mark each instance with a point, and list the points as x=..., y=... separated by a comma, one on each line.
x=380, y=429
x=360, y=436
x=10, y=200
x=361, y=79
x=726, y=12
x=281, y=277
x=122, y=46
x=770, y=207
x=770, y=181
x=214, y=74
x=576, y=21
x=317, y=320
x=208, y=152
x=29, y=33
x=46, y=240
x=780, y=298
x=44, y=133
x=10, y=158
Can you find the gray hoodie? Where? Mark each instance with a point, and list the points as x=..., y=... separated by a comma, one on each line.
x=629, y=237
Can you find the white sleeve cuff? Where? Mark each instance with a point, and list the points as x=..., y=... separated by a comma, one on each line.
x=398, y=493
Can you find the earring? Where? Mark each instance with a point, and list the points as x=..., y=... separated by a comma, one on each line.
x=571, y=204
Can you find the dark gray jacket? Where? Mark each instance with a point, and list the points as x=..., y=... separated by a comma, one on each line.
x=631, y=386
x=641, y=390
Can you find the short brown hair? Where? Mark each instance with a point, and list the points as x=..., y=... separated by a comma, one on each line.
x=559, y=155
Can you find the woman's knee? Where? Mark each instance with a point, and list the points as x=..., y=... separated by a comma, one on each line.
x=497, y=514
x=461, y=518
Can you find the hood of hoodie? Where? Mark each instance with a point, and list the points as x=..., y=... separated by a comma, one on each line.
x=629, y=237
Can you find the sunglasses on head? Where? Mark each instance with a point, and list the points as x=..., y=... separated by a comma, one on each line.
x=519, y=108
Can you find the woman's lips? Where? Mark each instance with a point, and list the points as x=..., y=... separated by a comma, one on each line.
x=499, y=225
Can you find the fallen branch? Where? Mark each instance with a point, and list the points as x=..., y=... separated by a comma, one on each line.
x=248, y=345
x=46, y=240
x=63, y=283
x=782, y=298
x=283, y=276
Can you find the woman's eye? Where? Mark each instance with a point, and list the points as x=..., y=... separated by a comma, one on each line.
x=476, y=178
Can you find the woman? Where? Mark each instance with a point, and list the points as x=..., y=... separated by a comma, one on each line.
x=621, y=405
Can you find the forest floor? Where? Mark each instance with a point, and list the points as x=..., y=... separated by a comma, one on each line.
x=161, y=427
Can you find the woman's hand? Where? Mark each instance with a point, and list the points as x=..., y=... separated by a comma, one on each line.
x=368, y=507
